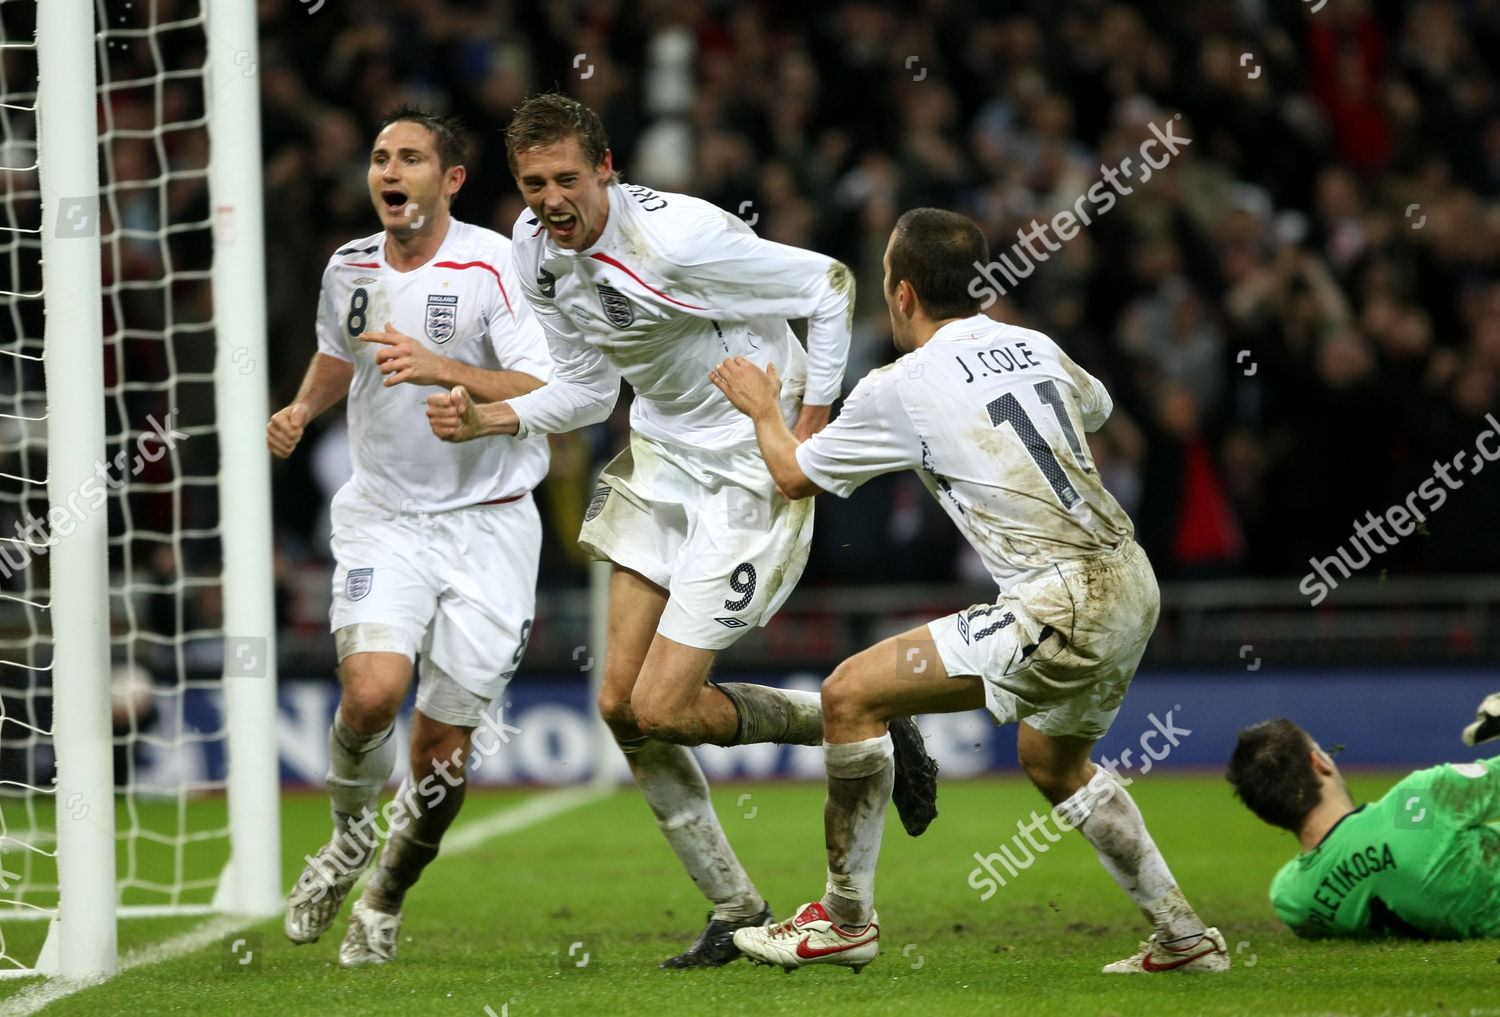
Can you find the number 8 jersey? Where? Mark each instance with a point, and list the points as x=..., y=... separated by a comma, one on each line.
x=465, y=305
x=992, y=418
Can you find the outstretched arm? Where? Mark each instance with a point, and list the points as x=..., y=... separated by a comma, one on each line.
x=757, y=394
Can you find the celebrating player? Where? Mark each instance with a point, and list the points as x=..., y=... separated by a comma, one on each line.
x=991, y=417
x=657, y=287
x=1419, y=862
x=436, y=546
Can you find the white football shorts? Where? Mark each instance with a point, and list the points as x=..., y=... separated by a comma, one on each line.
x=1058, y=649
x=457, y=588
x=708, y=527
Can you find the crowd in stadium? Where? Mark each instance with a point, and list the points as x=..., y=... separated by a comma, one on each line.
x=1296, y=314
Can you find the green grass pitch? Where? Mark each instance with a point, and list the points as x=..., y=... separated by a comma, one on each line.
x=491, y=927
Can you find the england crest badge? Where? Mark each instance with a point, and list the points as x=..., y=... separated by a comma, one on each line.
x=358, y=582
x=596, y=503
x=442, y=316
x=617, y=306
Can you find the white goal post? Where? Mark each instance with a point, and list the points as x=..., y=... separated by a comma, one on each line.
x=83, y=614
x=82, y=941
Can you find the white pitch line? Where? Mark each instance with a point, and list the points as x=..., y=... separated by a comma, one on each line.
x=534, y=810
x=34, y=998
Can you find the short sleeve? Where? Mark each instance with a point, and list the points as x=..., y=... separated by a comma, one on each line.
x=872, y=435
x=332, y=340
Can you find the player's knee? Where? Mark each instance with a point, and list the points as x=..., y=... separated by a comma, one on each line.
x=842, y=697
x=656, y=719
x=437, y=743
x=617, y=713
x=1057, y=782
x=367, y=708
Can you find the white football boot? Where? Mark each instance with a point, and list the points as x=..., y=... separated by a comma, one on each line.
x=371, y=938
x=1209, y=954
x=315, y=901
x=810, y=937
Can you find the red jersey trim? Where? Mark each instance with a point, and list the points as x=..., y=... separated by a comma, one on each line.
x=610, y=261
x=361, y=264
x=487, y=267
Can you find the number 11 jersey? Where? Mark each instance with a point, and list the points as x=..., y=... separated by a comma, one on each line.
x=992, y=418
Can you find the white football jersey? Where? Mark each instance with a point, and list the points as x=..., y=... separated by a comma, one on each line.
x=672, y=287
x=992, y=418
x=463, y=304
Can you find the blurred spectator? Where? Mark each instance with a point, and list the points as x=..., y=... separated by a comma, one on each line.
x=1296, y=315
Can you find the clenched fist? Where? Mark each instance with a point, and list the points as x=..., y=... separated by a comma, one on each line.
x=453, y=415
x=285, y=430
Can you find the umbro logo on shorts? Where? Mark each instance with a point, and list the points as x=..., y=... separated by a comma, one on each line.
x=358, y=582
x=730, y=623
x=596, y=503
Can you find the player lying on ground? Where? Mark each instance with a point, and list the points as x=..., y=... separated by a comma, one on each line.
x=435, y=546
x=1486, y=726
x=1422, y=861
x=991, y=417
x=657, y=288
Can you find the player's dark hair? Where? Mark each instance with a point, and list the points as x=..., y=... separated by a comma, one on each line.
x=1272, y=773
x=936, y=252
x=447, y=132
x=552, y=117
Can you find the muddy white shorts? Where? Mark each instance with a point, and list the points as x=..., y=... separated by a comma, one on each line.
x=457, y=588
x=1058, y=649
x=707, y=526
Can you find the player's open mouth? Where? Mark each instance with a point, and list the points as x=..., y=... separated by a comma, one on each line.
x=564, y=227
x=393, y=199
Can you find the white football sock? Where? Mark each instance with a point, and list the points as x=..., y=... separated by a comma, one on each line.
x=784, y=716
x=860, y=775
x=358, y=767
x=1103, y=811
x=673, y=785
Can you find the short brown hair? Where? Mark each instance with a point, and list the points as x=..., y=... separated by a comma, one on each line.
x=1272, y=773
x=552, y=117
x=447, y=132
x=936, y=252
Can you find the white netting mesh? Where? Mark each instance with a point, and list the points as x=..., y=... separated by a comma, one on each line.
x=157, y=482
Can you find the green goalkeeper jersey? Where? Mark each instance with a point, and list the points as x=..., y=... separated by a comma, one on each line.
x=1422, y=861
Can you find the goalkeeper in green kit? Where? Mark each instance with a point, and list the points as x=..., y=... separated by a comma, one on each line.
x=1423, y=861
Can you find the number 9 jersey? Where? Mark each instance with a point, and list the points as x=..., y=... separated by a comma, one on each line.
x=465, y=304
